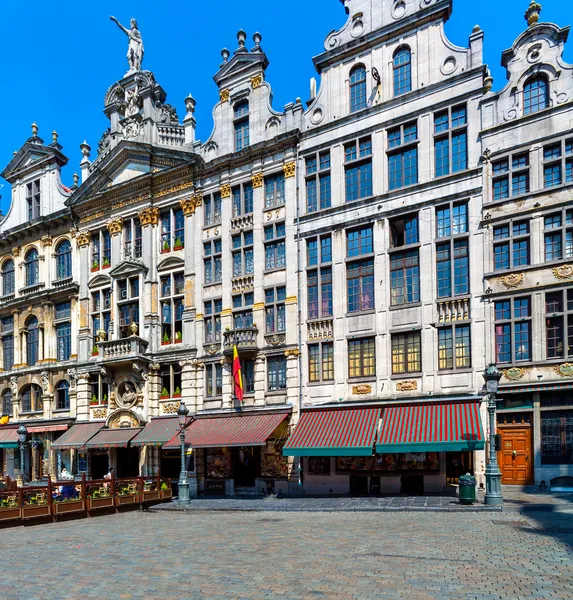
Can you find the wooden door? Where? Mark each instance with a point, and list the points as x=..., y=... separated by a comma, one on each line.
x=515, y=458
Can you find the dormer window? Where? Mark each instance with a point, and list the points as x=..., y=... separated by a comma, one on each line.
x=535, y=95
x=33, y=199
x=357, y=88
x=241, y=117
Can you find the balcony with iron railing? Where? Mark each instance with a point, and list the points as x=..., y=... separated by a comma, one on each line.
x=245, y=339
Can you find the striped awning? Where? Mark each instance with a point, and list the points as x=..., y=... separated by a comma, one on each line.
x=157, y=432
x=113, y=438
x=334, y=432
x=8, y=437
x=77, y=436
x=447, y=426
x=47, y=428
x=534, y=388
x=232, y=430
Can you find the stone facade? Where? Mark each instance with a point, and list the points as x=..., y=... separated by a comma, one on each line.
x=345, y=246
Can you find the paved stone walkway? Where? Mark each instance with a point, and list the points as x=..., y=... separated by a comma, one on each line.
x=291, y=556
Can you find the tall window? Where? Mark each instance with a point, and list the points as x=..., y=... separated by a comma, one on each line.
x=172, y=288
x=362, y=358
x=31, y=398
x=452, y=256
x=6, y=402
x=241, y=122
x=406, y=353
x=243, y=254
x=101, y=250
x=357, y=88
x=275, y=313
x=7, y=337
x=170, y=381
x=99, y=389
x=248, y=372
x=212, y=320
x=172, y=230
x=358, y=169
x=274, y=190
x=319, y=278
x=276, y=373
x=132, y=238
x=63, y=395
x=535, y=95
x=8, y=280
x=360, y=273
x=242, y=199
x=454, y=347
x=557, y=437
x=402, y=71
x=558, y=163
x=511, y=245
x=62, y=322
x=451, y=140
x=213, y=379
x=101, y=312
x=403, y=156
x=559, y=235
x=513, y=330
x=321, y=362
x=31, y=264
x=404, y=264
x=212, y=261
x=559, y=323
x=33, y=199
x=275, y=252
x=243, y=310
x=128, y=305
x=64, y=260
x=511, y=176
x=212, y=209
x=32, y=341
x=318, y=181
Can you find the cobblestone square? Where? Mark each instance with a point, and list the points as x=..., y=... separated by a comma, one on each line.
x=279, y=555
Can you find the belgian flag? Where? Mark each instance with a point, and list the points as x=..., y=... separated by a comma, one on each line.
x=237, y=375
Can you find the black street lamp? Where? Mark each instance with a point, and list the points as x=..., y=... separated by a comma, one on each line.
x=22, y=435
x=493, y=495
x=182, y=413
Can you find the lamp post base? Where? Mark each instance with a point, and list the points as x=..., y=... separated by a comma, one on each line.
x=493, y=496
x=184, y=490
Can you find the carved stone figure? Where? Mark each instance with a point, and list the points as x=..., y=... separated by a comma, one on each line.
x=104, y=142
x=167, y=114
x=14, y=386
x=132, y=101
x=135, y=49
x=45, y=381
x=127, y=396
x=72, y=378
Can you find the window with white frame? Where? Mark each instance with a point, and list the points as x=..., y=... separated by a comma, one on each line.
x=101, y=250
x=212, y=209
x=317, y=181
x=8, y=279
x=242, y=199
x=100, y=314
x=132, y=238
x=454, y=347
x=33, y=199
x=558, y=163
x=513, y=330
x=172, y=287
x=275, y=252
x=63, y=260
x=511, y=245
x=275, y=311
x=358, y=169
x=357, y=88
x=7, y=339
x=170, y=381
x=276, y=373
x=243, y=310
x=172, y=230
x=241, y=124
x=510, y=176
x=213, y=379
x=535, y=94
x=128, y=305
x=212, y=251
x=7, y=402
x=404, y=261
x=403, y=156
x=558, y=235
x=319, y=276
x=63, y=325
x=559, y=323
x=31, y=399
x=62, y=395
x=451, y=140
x=452, y=251
x=32, y=267
x=212, y=320
x=274, y=190
x=99, y=389
x=402, y=70
x=321, y=362
x=243, y=254
x=32, y=341
x=360, y=273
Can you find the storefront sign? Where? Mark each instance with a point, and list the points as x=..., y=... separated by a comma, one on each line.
x=82, y=463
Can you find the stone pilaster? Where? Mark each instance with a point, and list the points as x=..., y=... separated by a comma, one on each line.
x=292, y=360
x=153, y=390
x=260, y=380
x=83, y=397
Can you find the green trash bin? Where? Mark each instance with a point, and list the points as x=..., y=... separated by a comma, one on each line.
x=467, y=489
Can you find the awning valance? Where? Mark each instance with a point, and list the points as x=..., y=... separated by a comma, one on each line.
x=8, y=437
x=525, y=389
x=113, y=438
x=77, y=435
x=157, y=432
x=232, y=430
x=334, y=432
x=47, y=428
x=448, y=426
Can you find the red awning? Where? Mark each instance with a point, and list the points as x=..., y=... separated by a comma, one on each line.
x=46, y=428
x=334, y=432
x=77, y=435
x=8, y=437
x=157, y=432
x=113, y=438
x=446, y=426
x=233, y=430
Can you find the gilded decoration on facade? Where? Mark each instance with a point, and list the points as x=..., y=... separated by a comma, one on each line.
x=257, y=180
x=190, y=204
x=224, y=95
x=170, y=408
x=16, y=252
x=46, y=240
x=176, y=188
x=532, y=13
x=289, y=169
x=99, y=413
x=361, y=390
x=122, y=418
x=514, y=373
x=407, y=386
x=149, y=216
x=212, y=349
x=115, y=225
x=256, y=81
x=275, y=339
x=563, y=272
x=292, y=353
x=564, y=370
x=84, y=238
x=225, y=190
x=93, y=216
x=512, y=280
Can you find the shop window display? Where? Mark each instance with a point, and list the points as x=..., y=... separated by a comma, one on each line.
x=273, y=463
x=418, y=461
x=218, y=462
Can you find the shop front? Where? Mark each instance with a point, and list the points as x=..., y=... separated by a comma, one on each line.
x=40, y=437
x=9, y=460
x=122, y=456
x=404, y=449
x=69, y=451
x=238, y=454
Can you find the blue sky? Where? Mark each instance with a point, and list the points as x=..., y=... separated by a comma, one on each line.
x=60, y=58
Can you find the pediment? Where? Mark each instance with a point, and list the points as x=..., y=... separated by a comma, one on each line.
x=241, y=63
x=128, y=267
x=171, y=262
x=32, y=153
x=100, y=280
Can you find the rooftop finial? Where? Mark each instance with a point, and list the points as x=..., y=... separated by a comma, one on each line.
x=257, y=38
x=241, y=38
x=532, y=13
x=34, y=129
x=190, y=104
x=85, y=148
x=55, y=136
x=76, y=179
x=225, y=54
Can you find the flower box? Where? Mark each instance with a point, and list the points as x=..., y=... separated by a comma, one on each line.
x=165, y=250
x=178, y=247
x=150, y=496
x=123, y=499
x=106, y=266
x=36, y=511
x=166, y=343
x=100, y=503
x=176, y=396
x=94, y=269
x=69, y=506
x=178, y=341
x=10, y=513
x=166, y=494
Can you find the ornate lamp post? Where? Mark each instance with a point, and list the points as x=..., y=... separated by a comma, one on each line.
x=493, y=496
x=22, y=435
x=182, y=413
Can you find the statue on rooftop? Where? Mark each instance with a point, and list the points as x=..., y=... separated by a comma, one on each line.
x=135, y=49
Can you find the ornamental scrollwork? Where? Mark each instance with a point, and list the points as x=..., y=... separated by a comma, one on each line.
x=224, y=95
x=512, y=280
x=289, y=169
x=407, y=386
x=170, y=408
x=292, y=353
x=514, y=373
x=564, y=370
x=149, y=216
x=46, y=240
x=361, y=390
x=115, y=226
x=256, y=81
x=189, y=205
x=563, y=272
x=257, y=180
x=16, y=252
x=83, y=238
x=225, y=190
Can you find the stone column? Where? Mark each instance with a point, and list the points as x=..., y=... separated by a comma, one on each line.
x=85, y=342
x=189, y=206
x=15, y=396
x=17, y=346
x=115, y=227
x=24, y=345
x=40, y=342
x=228, y=386
x=153, y=390
x=73, y=391
x=149, y=219
x=292, y=375
x=260, y=380
x=83, y=395
x=48, y=350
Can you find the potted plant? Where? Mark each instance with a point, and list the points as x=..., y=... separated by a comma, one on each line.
x=104, y=401
x=164, y=393
x=178, y=245
x=95, y=266
x=166, y=339
x=178, y=337
x=165, y=247
x=177, y=392
x=106, y=264
x=95, y=351
x=94, y=401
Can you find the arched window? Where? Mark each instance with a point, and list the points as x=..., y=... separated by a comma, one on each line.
x=62, y=395
x=8, y=282
x=31, y=263
x=535, y=95
x=64, y=260
x=357, y=88
x=402, y=71
x=32, y=342
x=31, y=398
x=7, y=402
